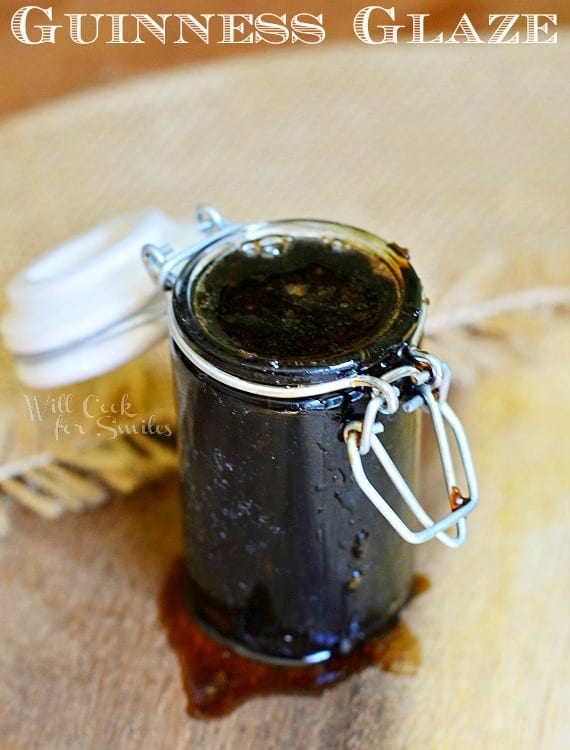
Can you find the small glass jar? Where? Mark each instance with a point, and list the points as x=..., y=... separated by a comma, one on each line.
x=274, y=326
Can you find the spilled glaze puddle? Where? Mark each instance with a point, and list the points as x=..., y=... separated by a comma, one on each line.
x=217, y=680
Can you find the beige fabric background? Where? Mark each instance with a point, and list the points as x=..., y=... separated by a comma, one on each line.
x=460, y=154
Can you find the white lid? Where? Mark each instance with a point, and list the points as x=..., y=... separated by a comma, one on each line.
x=90, y=305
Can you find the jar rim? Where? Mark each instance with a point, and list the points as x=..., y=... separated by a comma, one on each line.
x=403, y=324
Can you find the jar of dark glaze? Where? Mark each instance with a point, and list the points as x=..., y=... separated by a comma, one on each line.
x=280, y=333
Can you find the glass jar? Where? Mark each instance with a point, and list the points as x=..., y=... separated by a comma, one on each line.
x=278, y=331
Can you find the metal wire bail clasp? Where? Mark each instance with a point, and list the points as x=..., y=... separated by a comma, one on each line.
x=161, y=262
x=431, y=384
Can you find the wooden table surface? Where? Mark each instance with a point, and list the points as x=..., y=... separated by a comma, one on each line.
x=96, y=577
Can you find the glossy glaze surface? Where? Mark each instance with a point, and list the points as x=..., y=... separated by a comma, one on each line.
x=286, y=557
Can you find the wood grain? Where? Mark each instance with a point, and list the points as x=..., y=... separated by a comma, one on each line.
x=84, y=662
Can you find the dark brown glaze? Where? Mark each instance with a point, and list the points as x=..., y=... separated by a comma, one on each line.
x=217, y=680
x=456, y=499
x=321, y=301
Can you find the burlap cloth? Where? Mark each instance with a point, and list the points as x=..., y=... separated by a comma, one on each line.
x=460, y=154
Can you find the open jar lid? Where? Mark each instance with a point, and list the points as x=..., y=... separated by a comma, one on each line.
x=89, y=305
x=296, y=302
